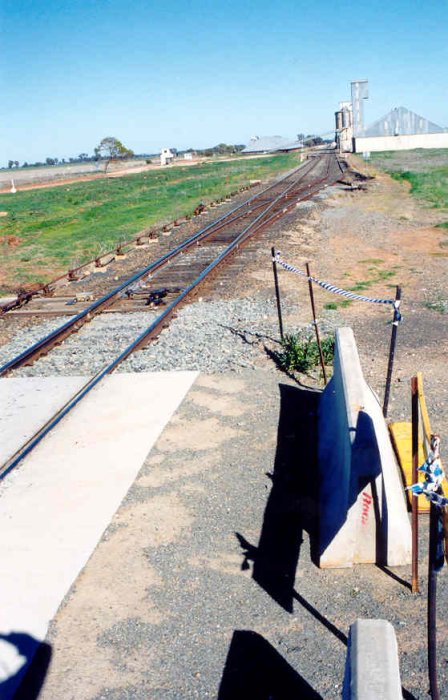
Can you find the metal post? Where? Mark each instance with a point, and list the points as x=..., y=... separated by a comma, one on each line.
x=414, y=391
x=393, y=342
x=313, y=309
x=432, y=603
x=277, y=294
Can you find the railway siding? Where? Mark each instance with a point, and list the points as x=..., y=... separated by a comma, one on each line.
x=184, y=604
x=231, y=231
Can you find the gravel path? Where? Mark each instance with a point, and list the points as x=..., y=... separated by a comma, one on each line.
x=203, y=585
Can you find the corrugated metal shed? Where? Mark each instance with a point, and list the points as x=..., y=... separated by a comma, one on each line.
x=270, y=144
x=401, y=122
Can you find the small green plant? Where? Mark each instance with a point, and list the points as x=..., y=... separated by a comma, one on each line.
x=440, y=305
x=385, y=274
x=332, y=306
x=372, y=261
x=360, y=286
x=301, y=355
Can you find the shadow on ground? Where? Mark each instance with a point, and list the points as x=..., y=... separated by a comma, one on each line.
x=27, y=683
x=254, y=669
x=292, y=503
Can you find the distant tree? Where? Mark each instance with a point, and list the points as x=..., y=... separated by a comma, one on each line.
x=83, y=156
x=25, y=165
x=221, y=149
x=16, y=163
x=50, y=161
x=111, y=149
x=10, y=163
x=312, y=140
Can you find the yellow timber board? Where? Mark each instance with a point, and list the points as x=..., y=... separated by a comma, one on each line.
x=401, y=433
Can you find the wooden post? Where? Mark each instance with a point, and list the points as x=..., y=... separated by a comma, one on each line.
x=414, y=391
x=313, y=309
x=277, y=294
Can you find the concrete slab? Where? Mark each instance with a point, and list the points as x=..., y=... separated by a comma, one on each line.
x=373, y=669
x=56, y=505
x=26, y=404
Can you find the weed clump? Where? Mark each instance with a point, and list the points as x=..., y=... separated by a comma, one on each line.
x=302, y=354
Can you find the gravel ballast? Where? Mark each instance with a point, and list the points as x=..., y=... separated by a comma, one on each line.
x=208, y=336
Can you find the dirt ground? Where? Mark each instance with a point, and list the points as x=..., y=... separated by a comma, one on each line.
x=385, y=236
x=372, y=239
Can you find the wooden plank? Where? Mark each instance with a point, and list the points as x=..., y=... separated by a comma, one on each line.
x=401, y=434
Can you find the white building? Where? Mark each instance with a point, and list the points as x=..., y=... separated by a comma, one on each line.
x=166, y=156
x=399, y=130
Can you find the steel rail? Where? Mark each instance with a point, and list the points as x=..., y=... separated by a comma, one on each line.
x=43, y=345
x=31, y=443
x=260, y=222
x=46, y=287
x=248, y=230
x=312, y=189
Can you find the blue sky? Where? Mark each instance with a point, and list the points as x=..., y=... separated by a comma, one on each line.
x=196, y=73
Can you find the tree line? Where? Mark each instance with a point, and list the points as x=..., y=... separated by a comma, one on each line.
x=109, y=149
x=112, y=149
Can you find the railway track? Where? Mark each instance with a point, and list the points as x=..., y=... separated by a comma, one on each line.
x=164, y=284
x=160, y=288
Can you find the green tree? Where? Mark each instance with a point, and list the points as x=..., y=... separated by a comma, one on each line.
x=111, y=149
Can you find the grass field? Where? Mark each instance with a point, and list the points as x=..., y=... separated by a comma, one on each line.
x=425, y=170
x=44, y=232
x=416, y=160
x=431, y=186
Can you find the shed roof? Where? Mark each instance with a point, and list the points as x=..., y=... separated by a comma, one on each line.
x=270, y=144
x=401, y=121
